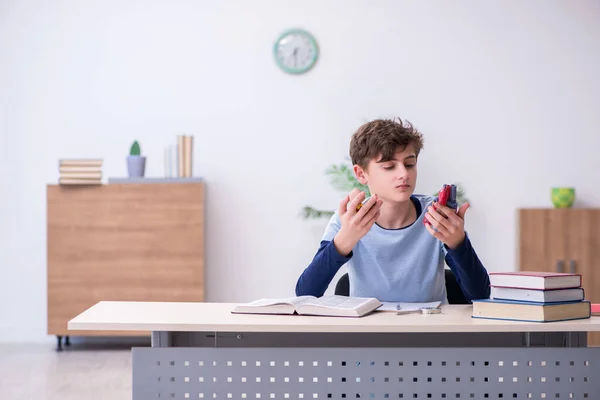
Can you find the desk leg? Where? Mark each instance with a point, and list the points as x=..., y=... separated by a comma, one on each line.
x=161, y=339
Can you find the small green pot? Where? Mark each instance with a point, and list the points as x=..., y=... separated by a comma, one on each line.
x=563, y=197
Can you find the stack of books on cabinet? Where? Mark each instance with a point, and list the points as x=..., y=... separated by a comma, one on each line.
x=80, y=172
x=534, y=296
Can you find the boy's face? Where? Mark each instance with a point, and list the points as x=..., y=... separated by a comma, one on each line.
x=392, y=180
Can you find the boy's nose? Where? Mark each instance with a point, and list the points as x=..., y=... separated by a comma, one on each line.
x=402, y=173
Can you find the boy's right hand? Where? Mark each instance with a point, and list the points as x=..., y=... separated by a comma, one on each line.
x=355, y=224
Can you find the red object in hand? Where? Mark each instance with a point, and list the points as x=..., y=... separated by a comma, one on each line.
x=444, y=194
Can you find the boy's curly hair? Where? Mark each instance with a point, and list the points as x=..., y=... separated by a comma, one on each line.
x=383, y=138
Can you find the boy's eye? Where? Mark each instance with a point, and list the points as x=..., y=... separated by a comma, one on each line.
x=410, y=165
x=389, y=167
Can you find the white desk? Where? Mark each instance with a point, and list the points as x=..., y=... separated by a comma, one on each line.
x=202, y=350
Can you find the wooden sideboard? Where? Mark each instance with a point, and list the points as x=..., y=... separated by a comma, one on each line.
x=129, y=241
x=563, y=240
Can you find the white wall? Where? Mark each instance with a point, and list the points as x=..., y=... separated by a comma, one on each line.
x=506, y=94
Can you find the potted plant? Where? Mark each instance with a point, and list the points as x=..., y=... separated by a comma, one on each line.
x=136, y=163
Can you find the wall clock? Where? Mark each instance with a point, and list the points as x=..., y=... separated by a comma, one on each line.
x=296, y=51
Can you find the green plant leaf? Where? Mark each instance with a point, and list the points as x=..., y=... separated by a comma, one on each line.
x=135, y=149
x=312, y=213
x=342, y=178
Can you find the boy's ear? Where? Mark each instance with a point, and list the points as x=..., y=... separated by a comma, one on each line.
x=360, y=174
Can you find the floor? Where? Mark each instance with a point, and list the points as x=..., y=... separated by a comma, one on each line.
x=84, y=370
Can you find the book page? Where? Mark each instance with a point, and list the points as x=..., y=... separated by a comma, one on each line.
x=337, y=302
x=294, y=301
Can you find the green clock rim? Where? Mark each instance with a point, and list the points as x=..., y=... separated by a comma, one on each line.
x=313, y=59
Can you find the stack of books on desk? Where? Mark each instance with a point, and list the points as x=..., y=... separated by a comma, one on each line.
x=80, y=172
x=534, y=296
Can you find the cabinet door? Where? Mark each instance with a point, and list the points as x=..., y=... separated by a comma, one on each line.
x=563, y=240
x=122, y=242
x=543, y=243
x=584, y=255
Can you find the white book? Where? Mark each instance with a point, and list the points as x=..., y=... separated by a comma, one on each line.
x=80, y=162
x=535, y=280
x=537, y=295
x=82, y=169
x=333, y=306
x=403, y=308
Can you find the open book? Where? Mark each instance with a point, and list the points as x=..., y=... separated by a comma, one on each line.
x=333, y=306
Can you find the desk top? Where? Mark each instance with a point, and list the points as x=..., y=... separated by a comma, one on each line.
x=217, y=317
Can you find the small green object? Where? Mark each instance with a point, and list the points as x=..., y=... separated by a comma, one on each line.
x=563, y=197
x=135, y=149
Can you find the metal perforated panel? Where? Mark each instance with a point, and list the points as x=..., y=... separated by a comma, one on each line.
x=366, y=373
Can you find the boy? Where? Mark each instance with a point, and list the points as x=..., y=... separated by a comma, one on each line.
x=390, y=252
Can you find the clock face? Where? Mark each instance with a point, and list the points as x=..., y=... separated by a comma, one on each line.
x=296, y=51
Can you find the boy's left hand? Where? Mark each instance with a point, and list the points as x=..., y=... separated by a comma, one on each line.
x=449, y=225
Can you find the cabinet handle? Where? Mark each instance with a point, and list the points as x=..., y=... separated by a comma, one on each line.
x=560, y=266
x=572, y=266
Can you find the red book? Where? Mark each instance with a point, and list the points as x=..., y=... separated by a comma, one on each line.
x=535, y=280
x=596, y=309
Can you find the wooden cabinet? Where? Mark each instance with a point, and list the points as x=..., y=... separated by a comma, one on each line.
x=563, y=240
x=136, y=242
